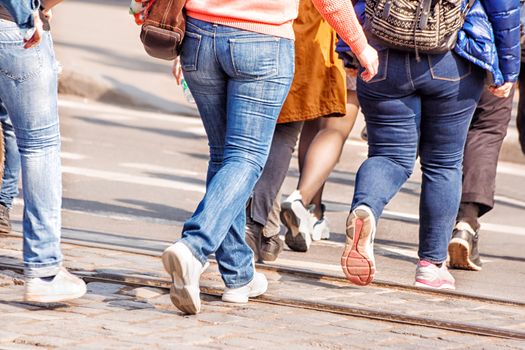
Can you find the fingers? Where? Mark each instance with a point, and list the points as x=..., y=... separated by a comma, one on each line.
x=37, y=33
x=34, y=40
x=177, y=71
x=502, y=91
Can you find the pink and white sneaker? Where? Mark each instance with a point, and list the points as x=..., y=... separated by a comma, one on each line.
x=431, y=276
x=358, y=261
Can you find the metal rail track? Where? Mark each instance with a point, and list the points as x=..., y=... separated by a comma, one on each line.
x=460, y=327
x=352, y=311
x=313, y=275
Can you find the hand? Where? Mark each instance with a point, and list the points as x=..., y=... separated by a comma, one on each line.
x=38, y=31
x=48, y=14
x=352, y=72
x=501, y=91
x=370, y=62
x=177, y=71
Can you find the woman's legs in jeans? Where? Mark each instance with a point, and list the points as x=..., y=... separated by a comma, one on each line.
x=239, y=80
x=29, y=93
x=401, y=94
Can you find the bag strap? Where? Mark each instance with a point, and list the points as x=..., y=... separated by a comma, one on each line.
x=468, y=7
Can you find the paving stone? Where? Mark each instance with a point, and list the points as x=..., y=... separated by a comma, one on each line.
x=144, y=292
x=104, y=288
x=7, y=337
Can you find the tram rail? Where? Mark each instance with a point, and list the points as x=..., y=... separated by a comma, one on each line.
x=346, y=310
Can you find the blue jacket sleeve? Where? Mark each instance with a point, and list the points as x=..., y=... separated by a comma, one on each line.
x=21, y=10
x=504, y=16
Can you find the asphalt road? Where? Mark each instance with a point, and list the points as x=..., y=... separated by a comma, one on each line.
x=133, y=177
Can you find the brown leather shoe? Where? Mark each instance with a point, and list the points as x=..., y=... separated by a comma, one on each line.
x=253, y=237
x=5, y=223
x=271, y=247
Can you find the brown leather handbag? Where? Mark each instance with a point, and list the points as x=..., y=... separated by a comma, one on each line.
x=163, y=29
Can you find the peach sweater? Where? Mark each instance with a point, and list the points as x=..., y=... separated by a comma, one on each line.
x=275, y=17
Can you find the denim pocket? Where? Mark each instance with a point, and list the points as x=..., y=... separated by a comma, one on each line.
x=255, y=58
x=20, y=64
x=449, y=67
x=190, y=51
x=381, y=69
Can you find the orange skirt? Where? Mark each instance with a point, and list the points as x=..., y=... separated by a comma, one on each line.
x=319, y=85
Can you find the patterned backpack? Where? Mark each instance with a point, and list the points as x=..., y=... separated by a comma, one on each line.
x=426, y=26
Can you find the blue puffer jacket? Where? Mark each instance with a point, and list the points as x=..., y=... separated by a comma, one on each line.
x=21, y=10
x=490, y=37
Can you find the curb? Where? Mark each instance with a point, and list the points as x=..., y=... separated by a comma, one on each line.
x=97, y=89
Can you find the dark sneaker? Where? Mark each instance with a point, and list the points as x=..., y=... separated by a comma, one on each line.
x=271, y=247
x=5, y=222
x=463, y=248
x=253, y=237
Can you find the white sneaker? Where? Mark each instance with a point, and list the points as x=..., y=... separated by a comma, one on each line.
x=257, y=286
x=299, y=222
x=358, y=261
x=185, y=271
x=61, y=287
x=321, y=229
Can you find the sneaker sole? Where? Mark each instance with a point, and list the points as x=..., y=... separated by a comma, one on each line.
x=295, y=238
x=358, y=267
x=181, y=297
x=427, y=286
x=459, y=253
x=36, y=298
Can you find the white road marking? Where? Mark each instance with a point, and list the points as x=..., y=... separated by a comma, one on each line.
x=511, y=201
x=125, y=113
x=511, y=169
x=308, y=265
x=356, y=143
x=160, y=169
x=72, y=156
x=133, y=179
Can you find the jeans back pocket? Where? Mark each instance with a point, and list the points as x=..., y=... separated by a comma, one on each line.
x=449, y=67
x=190, y=51
x=255, y=58
x=17, y=63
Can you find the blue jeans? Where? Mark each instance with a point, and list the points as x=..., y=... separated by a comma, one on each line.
x=28, y=90
x=11, y=163
x=425, y=106
x=239, y=80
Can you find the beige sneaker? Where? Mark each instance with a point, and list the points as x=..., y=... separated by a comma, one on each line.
x=61, y=287
x=257, y=286
x=185, y=271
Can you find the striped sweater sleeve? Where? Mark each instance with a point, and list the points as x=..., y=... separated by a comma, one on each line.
x=341, y=16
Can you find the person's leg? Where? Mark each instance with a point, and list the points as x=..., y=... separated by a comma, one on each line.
x=29, y=91
x=392, y=109
x=11, y=173
x=520, y=118
x=261, y=207
x=324, y=153
x=218, y=223
x=275, y=170
x=35, y=122
x=11, y=164
x=484, y=139
x=449, y=101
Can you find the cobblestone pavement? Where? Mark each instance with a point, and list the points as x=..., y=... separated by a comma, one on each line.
x=116, y=316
